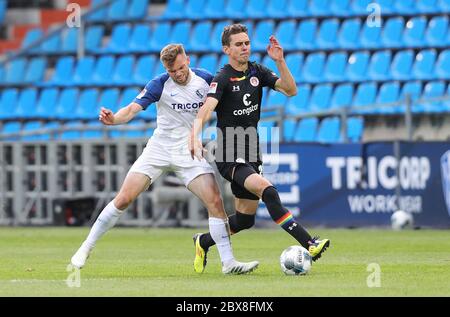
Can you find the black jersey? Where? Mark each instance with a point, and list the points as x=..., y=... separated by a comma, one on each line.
x=239, y=95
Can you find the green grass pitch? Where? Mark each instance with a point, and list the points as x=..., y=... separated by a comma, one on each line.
x=158, y=262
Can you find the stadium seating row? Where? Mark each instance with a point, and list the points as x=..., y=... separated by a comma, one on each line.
x=318, y=67
x=307, y=130
x=205, y=36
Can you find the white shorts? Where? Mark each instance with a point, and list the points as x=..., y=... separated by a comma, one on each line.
x=163, y=154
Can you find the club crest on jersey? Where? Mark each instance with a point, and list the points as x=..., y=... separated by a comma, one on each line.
x=200, y=93
x=254, y=81
x=212, y=88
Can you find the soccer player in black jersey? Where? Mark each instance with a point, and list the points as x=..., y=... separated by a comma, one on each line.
x=235, y=94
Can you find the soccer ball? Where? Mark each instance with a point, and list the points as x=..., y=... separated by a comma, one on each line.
x=295, y=260
x=401, y=220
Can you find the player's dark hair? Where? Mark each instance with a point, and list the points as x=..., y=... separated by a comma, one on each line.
x=170, y=52
x=230, y=30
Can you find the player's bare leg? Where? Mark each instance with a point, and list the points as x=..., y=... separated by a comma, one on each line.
x=133, y=185
x=205, y=187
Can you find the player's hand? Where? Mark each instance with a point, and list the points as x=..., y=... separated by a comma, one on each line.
x=274, y=49
x=106, y=116
x=196, y=148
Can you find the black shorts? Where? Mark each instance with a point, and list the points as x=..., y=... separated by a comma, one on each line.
x=226, y=170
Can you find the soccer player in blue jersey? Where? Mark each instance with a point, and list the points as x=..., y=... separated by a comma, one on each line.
x=235, y=95
x=179, y=93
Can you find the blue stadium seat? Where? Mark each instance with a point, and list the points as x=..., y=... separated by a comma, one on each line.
x=306, y=130
x=300, y=102
x=359, y=8
x=136, y=133
x=379, y=65
x=67, y=103
x=148, y=114
x=72, y=134
x=102, y=72
x=93, y=39
x=256, y=9
x=305, y=36
x=387, y=6
x=223, y=60
x=295, y=63
x=12, y=127
x=2, y=10
x=414, y=33
x=99, y=14
x=329, y=130
x=255, y=57
x=15, y=71
x=194, y=9
x=26, y=105
x=392, y=32
x=427, y=6
x=52, y=130
x=388, y=93
x=8, y=103
x=83, y=70
x=277, y=8
x=289, y=126
x=200, y=38
x=355, y=129
x=31, y=37
x=123, y=71
x=159, y=37
x=137, y=9
x=270, y=64
x=370, y=36
x=402, y=64
x=340, y=8
x=276, y=99
x=118, y=10
x=327, y=35
x=109, y=99
x=321, y=97
x=263, y=31
x=236, y=9
x=349, y=34
x=442, y=68
x=215, y=41
x=335, y=67
x=405, y=7
x=424, y=64
x=444, y=5
x=297, y=8
x=208, y=62
x=436, y=31
x=214, y=9
x=52, y=44
x=46, y=104
x=140, y=38
x=342, y=96
x=412, y=89
x=32, y=127
x=285, y=34
x=174, y=10
x=127, y=96
x=357, y=66
x=36, y=70
x=87, y=107
x=69, y=42
x=120, y=35
x=313, y=68
x=94, y=130
x=144, y=69
x=180, y=32
x=319, y=7
x=432, y=90
x=365, y=96
x=63, y=71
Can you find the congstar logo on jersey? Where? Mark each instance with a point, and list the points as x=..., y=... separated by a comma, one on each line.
x=246, y=111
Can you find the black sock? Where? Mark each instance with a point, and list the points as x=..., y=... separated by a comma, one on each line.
x=283, y=217
x=237, y=222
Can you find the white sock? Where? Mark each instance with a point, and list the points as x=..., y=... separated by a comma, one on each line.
x=105, y=221
x=220, y=234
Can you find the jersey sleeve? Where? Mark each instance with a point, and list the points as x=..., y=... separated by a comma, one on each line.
x=217, y=86
x=152, y=91
x=203, y=73
x=268, y=77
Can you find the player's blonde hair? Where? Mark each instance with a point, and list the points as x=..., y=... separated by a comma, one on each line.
x=170, y=52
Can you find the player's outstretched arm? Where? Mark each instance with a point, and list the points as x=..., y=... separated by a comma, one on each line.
x=286, y=83
x=204, y=114
x=107, y=117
